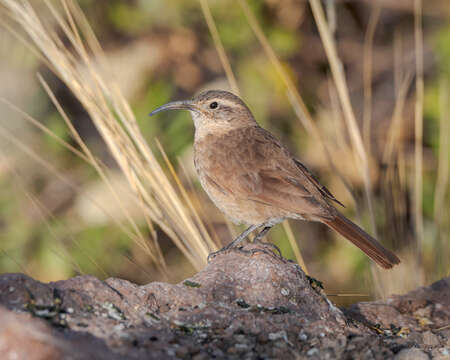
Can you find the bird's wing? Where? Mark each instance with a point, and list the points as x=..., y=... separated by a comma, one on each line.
x=269, y=174
x=282, y=191
x=323, y=190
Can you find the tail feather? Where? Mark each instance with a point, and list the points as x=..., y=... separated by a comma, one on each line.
x=364, y=241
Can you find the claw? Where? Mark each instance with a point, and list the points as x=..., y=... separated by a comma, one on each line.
x=275, y=249
x=225, y=250
x=241, y=250
x=212, y=255
x=257, y=250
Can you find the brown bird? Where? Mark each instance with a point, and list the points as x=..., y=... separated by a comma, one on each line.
x=254, y=179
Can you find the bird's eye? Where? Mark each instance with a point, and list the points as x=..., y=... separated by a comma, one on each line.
x=213, y=105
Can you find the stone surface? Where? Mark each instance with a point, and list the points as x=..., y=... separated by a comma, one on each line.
x=412, y=354
x=241, y=305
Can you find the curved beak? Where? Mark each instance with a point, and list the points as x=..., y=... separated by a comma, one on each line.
x=175, y=105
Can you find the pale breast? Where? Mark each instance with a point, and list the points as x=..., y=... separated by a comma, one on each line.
x=218, y=160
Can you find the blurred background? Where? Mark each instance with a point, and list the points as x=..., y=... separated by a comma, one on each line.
x=163, y=50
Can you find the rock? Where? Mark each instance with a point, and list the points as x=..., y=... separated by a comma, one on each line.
x=430, y=339
x=416, y=337
x=239, y=306
x=415, y=311
x=441, y=353
x=412, y=354
x=22, y=336
x=445, y=333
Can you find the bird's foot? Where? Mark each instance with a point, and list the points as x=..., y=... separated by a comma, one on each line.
x=215, y=253
x=273, y=248
x=224, y=250
x=259, y=250
x=249, y=252
x=234, y=243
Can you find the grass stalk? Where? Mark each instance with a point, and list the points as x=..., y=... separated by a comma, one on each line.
x=442, y=179
x=367, y=74
x=93, y=84
x=294, y=246
x=418, y=126
x=344, y=97
x=219, y=46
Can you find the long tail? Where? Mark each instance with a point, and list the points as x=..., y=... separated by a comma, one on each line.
x=364, y=241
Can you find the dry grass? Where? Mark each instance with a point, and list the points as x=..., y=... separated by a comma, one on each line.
x=418, y=127
x=441, y=211
x=367, y=75
x=9, y=137
x=393, y=142
x=344, y=97
x=219, y=46
x=80, y=64
x=385, y=283
x=444, y=151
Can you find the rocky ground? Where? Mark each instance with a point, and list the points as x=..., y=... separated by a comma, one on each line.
x=241, y=306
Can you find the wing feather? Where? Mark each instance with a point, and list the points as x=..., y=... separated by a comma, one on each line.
x=254, y=165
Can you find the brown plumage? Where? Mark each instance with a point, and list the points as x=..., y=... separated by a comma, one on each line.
x=254, y=179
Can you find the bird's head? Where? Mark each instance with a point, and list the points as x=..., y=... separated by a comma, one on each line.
x=213, y=108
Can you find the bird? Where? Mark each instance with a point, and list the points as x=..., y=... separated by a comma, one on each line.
x=255, y=180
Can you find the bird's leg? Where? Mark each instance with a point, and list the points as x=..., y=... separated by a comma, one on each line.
x=236, y=241
x=261, y=234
